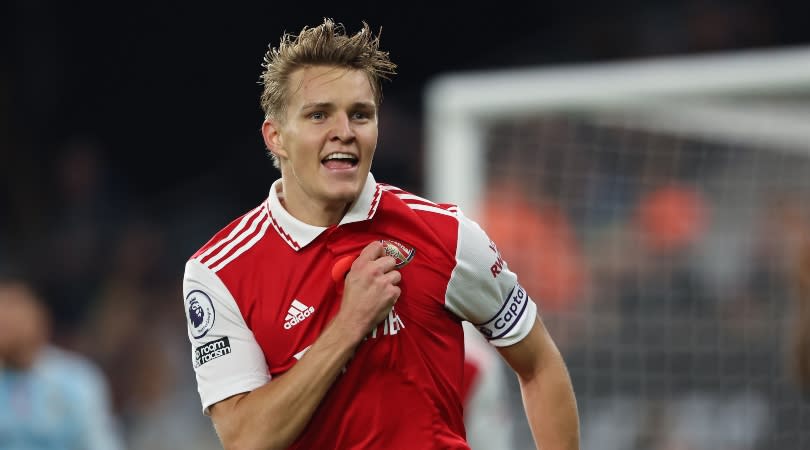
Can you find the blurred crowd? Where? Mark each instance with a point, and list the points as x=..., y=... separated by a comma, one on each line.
x=109, y=276
x=667, y=266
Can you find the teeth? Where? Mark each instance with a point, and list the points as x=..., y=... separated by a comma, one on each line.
x=339, y=156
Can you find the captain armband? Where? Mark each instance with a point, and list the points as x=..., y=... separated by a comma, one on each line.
x=512, y=310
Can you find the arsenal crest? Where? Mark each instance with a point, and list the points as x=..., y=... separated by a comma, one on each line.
x=398, y=251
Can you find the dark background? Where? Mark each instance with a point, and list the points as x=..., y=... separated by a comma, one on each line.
x=170, y=87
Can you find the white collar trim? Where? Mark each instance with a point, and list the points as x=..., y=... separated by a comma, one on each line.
x=298, y=234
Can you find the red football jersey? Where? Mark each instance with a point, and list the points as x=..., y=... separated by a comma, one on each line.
x=260, y=292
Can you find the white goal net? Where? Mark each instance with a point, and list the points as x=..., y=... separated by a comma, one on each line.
x=657, y=211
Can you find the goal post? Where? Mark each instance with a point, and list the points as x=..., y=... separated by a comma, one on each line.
x=656, y=210
x=458, y=104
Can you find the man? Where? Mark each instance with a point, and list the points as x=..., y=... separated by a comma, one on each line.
x=51, y=398
x=330, y=315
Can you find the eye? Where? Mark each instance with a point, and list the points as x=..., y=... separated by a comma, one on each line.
x=361, y=115
x=317, y=115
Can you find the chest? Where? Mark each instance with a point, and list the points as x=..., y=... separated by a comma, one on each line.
x=293, y=303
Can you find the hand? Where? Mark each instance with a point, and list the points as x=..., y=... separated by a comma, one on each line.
x=370, y=290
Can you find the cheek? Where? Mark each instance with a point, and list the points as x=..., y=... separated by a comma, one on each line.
x=304, y=148
x=369, y=139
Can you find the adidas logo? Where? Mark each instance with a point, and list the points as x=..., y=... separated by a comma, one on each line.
x=297, y=313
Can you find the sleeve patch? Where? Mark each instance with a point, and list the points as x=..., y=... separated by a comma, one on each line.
x=211, y=351
x=200, y=313
x=508, y=316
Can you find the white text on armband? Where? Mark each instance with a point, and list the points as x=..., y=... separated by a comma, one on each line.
x=508, y=316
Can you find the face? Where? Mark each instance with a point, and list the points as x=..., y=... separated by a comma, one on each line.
x=326, y=142
x=23, y=329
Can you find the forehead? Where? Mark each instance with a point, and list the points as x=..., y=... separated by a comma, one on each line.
x=327, y=84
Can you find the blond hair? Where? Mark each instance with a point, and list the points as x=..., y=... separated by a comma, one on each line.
x=324, y=45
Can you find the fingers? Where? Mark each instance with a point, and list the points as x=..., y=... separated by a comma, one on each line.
x=395, y=296
x=371, y=251
x=392, y=291
x=393, y=277
x=374, y=253
x=371, y=287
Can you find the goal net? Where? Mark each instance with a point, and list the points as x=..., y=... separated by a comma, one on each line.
x=657, y=211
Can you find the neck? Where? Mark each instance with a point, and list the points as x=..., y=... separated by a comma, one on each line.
x=311, y=211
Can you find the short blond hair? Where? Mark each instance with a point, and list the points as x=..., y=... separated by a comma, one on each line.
x=324, y=45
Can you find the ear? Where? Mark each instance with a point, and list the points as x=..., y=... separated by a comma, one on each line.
x=271, y=132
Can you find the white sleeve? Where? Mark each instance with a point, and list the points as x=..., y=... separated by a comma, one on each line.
x=226, y=357
x=483, y=290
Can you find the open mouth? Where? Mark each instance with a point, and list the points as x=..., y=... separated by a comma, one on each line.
x=338, y=161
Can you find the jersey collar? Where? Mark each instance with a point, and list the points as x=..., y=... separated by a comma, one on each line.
x=298, y=234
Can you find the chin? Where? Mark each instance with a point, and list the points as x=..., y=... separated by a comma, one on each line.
x=344, y=195
x=344, y=191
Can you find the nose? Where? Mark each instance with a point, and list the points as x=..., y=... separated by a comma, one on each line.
x=342, y=129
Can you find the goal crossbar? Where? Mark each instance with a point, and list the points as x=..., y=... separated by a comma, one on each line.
x=459, y=104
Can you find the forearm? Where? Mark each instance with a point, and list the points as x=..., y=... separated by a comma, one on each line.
x=272, y=416
x=551, y=409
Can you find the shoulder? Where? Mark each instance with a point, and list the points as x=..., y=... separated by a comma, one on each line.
x=446, y=221
x=73, y=371
x=418, y=218
x=419, y=205
x=231, y=231
x=234, y=239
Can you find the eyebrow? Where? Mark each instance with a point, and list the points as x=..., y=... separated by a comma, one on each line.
x=317, y=105
x=326, y=105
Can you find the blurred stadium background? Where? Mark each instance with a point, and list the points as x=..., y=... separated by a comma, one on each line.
x=661, y=232
x=659, y=213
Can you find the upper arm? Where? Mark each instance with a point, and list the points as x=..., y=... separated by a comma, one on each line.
x=483, y=291
x=227, y=359
x=532, y=353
